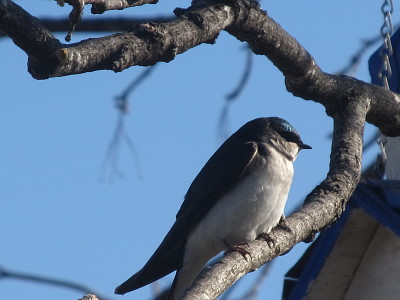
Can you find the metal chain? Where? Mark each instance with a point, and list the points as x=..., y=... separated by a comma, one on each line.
x=384, y=74
x=380, y=164
x=386, y=51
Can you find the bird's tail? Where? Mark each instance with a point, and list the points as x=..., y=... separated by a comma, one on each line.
x=165, y=260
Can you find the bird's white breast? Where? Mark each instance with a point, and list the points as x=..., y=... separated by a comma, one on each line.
x=254, y=206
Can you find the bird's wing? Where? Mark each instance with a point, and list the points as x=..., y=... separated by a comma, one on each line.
x=222, y=171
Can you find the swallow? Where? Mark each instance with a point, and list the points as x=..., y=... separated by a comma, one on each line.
x=239, y=194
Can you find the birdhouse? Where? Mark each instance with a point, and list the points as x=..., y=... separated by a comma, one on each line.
x=359, y=256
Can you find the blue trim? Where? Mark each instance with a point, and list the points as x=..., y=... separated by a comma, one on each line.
x=376, y=198
x=372, y=199
x=326, y=242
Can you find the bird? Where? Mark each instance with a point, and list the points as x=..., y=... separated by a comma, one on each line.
x=239, y=194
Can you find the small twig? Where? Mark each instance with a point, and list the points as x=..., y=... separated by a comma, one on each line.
x=351, y=68
x=120, y=133
x=135, y=83
x=223, y=128
x=98, y=7
x=111, y=157
x=112, y=154
x=75, y=16
x=245, y=76
x=46, y=280
x=223, y=131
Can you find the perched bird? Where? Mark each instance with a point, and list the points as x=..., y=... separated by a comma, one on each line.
x=239, y=194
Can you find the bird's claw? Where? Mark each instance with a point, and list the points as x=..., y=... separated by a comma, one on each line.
x=238, y=248
x=284, y=225
x=267, y=238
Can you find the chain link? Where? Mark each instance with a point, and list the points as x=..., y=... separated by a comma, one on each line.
x=384, y=74
x=386, y=51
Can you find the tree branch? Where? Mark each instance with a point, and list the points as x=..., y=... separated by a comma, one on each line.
x=145, y=45
x=304, y=78
x=114, y=24
x=46, y=280
x=99, y=25
x=29, y=34
x=100, y=6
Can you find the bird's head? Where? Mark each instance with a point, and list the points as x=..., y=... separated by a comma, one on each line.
x=277, y=132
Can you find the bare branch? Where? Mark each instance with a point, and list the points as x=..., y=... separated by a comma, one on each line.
x=100, y=6
x=145, y=45
x=28, y=34
x=112, y=24
x=223, y=131
x=123, y=97
x=120, y=135
x=352, y=66
x=103, y=25
x=303, y=76
x=75, y=16
x=244, y=79
x=46, y=280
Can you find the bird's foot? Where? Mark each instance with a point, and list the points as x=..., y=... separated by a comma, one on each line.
x=267, y=238
x=239, y=249
x=282, y=219
x=284, y=225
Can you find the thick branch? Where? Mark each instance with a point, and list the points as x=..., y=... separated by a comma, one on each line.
x=149, y=43
x=28, y=33
x=145, y=45
x=304, y=78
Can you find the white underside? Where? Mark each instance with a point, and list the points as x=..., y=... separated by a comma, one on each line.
x=255, y=206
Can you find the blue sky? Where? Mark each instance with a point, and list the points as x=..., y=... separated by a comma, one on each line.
x=60, y=214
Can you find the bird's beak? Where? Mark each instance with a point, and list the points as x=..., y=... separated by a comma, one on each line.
x=304, y=146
